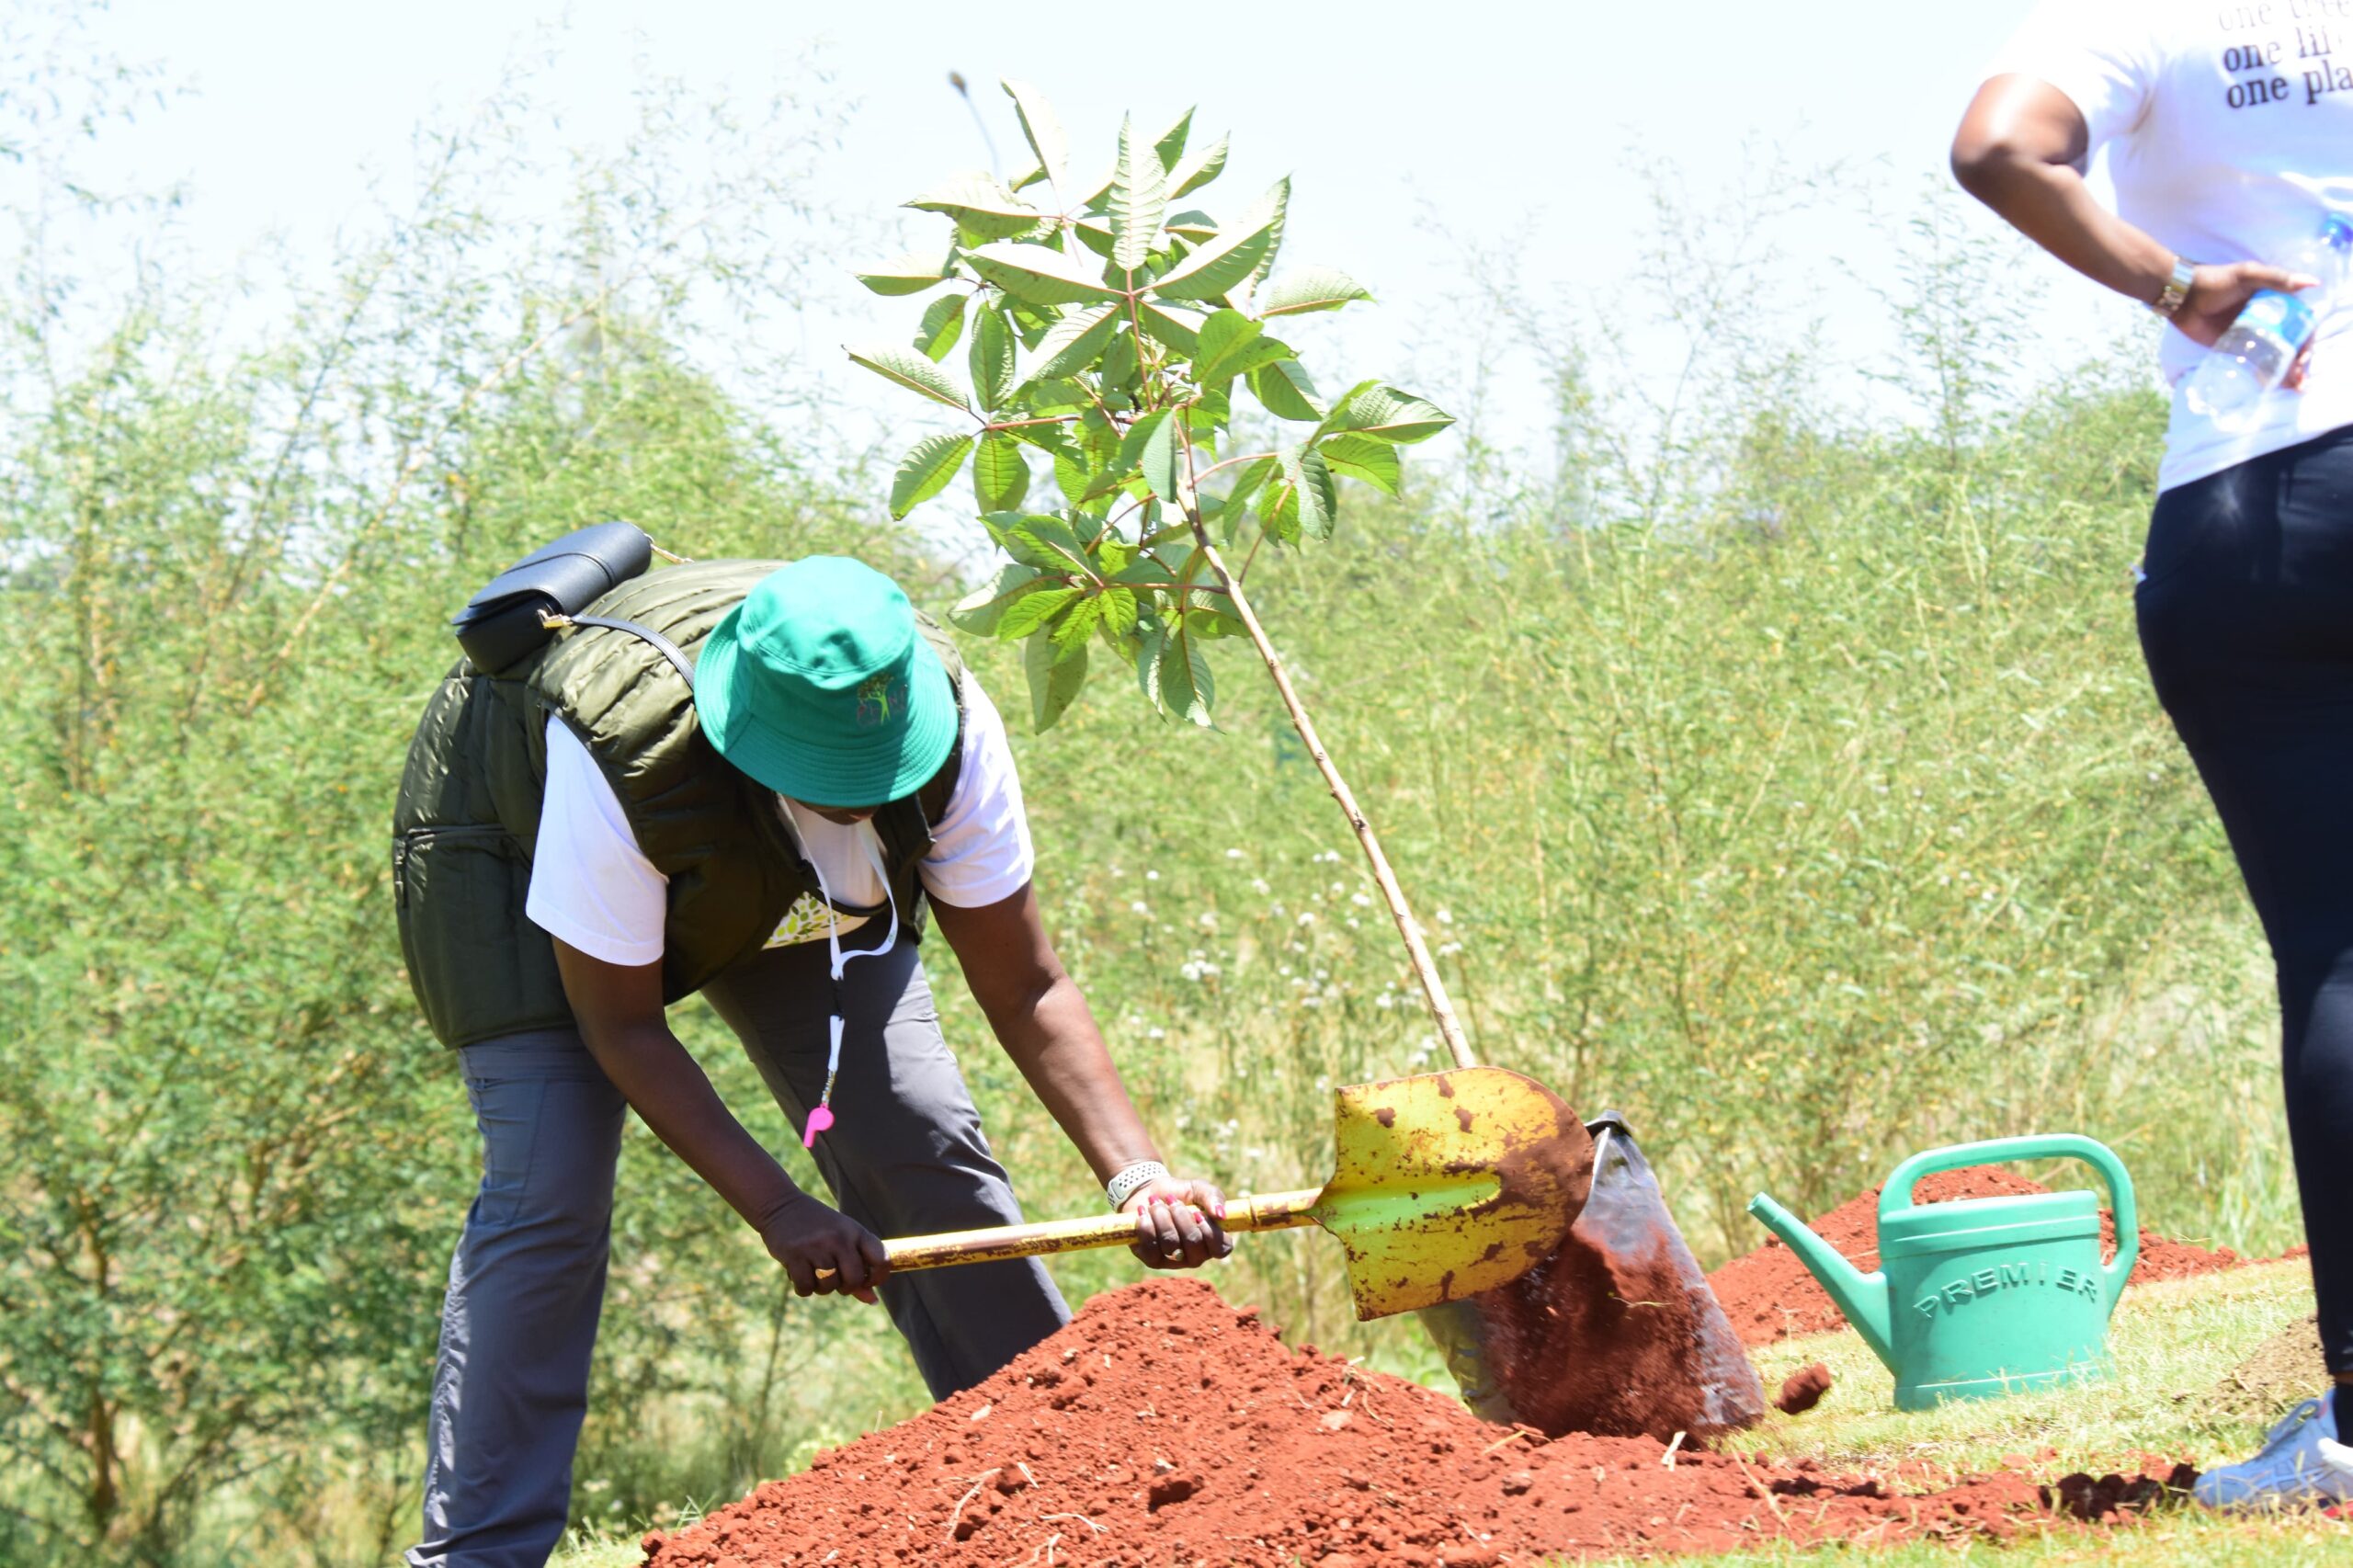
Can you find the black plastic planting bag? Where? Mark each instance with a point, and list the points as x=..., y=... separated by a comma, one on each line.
x=1616, y=1332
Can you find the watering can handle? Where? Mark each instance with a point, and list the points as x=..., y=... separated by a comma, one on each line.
x=1897, y=1193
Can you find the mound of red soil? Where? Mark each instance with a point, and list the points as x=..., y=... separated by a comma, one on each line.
x=1769, y=1295
x=1164, y=1426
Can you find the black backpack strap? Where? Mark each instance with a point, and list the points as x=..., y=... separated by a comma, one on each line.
x=662, y=644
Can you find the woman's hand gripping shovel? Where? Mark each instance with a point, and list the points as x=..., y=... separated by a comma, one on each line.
x=1445, y=1185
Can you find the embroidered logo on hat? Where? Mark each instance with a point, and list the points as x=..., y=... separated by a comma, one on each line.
x=878, y=697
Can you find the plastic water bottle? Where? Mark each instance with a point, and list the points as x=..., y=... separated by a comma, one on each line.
x=2253, y=356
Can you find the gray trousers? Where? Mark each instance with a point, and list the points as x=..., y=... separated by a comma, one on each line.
x=906, y=1157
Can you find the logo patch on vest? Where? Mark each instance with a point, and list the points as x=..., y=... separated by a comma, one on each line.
x=878, y=697
x=808, y=920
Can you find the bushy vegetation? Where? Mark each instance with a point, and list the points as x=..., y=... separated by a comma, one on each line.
x=1786, y=782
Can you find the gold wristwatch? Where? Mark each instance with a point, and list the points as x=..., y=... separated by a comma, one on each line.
x=2176, y=288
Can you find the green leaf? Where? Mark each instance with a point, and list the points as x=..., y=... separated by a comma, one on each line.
x=1041, y=130
x=1217, y=267
x=1030, y=323
x=1054, y=682
x=1192, y=226
x=1138, y=435
x=1177, y=680
x=1310, y=289
x=1312, y=494
x=925, y=471
x=1075, y=341
x=943, y=323
x=1119, y=613
x=1039, y=276
x=1074, y=626
x=1118, y=367
x=1139, y=198
x=1285, y=389
x=1151, y=445
x=912, y=273
x=991, y=358
x=1253, y=477
x=979, y=610
x=911, y=370
x=980, y=204
x=1233, y=344
x=1385, y=413
x=1198, y=170
x=1169, y=145
x=1360, y=457
x=1028, y=613
x=1071, y=472
x=1145, y=571
x=1048, y=543
x=1095, y=234
x=1174, y=325
x=1000, y=475
x=1275, y=206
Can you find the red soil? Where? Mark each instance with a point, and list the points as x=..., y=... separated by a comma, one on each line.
x=1769, y=1295
x=1803, y=1390
x=1164, y=1426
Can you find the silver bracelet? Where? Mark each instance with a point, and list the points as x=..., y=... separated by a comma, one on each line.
x=1132, y=1180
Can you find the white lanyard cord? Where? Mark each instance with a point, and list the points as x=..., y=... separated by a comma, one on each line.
x=834, y=947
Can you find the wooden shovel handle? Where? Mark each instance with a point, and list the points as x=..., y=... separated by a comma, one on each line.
x=1265, y=1211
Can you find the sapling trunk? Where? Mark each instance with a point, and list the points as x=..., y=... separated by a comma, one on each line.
x=1417, y=952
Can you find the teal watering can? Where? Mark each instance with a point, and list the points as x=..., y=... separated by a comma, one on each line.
x=1984, y=1296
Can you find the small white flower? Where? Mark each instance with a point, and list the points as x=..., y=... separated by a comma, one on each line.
x=1155, y=1034
x=1445, y=918
x=1311, y=1002
x=1307, y=918
x=1189, y=971
x=1210, y=971
x=1140, y=907
x=1448, y=949
x=1339, y=888
x=1151, y=876
x=1207, y=920
x=1284, y=971
x=1361, y=900
x=1353, y=923
x=1234, y=853
x=1259, y=885
x=1386, y=999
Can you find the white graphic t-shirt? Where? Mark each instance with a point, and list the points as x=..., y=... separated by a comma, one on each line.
x=2229, y=131
x=592, y=888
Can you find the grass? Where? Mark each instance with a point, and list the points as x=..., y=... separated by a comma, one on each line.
x=2174, y=1342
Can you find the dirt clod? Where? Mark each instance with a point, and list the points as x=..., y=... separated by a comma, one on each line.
x=1237, y=1465
x=1803, y=1390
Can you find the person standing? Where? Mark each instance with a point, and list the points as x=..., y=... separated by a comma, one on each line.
x=750, y=782
x=2230, y=140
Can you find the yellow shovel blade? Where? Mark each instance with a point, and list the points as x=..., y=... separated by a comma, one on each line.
x=1447, y=1183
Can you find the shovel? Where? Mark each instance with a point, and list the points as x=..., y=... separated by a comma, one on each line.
x=1447, y=1184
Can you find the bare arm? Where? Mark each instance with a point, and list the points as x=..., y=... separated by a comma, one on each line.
x=1045, y=1026
x=2020, y=149
x=620, y=1016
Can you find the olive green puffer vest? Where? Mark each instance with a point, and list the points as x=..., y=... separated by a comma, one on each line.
x=469, y=810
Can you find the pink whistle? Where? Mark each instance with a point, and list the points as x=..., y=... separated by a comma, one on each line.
x=820, y=1120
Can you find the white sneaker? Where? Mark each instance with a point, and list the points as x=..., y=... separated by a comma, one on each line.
x=2300, y=1463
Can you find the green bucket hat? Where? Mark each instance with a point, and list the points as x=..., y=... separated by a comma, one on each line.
x=818, y=685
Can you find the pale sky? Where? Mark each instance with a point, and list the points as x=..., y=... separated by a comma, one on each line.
x=1537, y=126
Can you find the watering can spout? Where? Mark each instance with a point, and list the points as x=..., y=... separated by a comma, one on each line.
x=1862, y=1297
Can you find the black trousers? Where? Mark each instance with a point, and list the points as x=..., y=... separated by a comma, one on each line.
x=2247, y=621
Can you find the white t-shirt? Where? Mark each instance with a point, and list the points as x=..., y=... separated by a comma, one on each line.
x=2229, y=132
x=592, y=887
